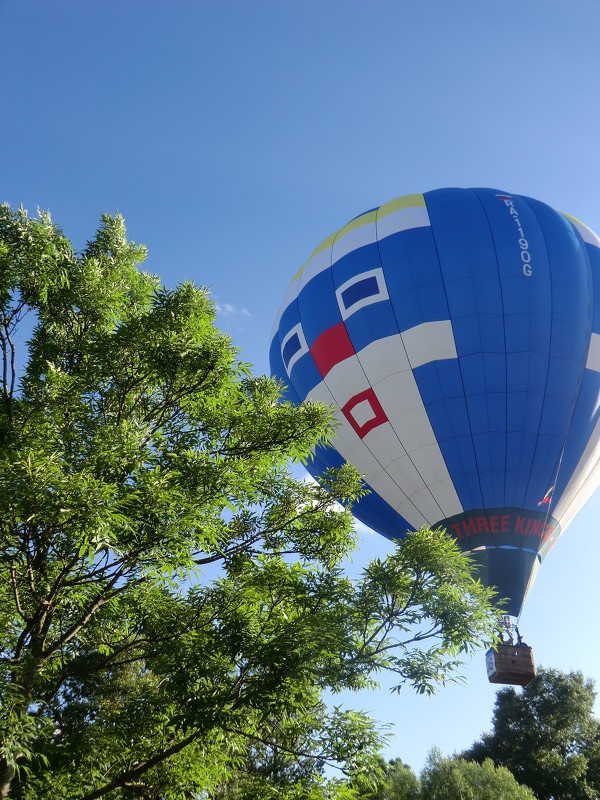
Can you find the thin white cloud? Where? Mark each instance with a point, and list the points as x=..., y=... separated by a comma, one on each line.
x=229, y=310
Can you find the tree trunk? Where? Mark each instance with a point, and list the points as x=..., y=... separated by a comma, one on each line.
x=7, y=773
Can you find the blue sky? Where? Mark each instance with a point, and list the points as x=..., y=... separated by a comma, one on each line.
x=235, y=136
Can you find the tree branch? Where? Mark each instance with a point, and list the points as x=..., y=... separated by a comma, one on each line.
x=132, y=774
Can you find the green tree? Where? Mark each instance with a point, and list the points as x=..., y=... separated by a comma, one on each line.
x=398, y=782
x=445, y=778
x=547, y=736
x=171, y=598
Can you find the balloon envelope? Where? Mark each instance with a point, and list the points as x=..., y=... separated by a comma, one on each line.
x=457, y=333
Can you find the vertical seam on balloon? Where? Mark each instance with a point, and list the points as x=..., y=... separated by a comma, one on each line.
x=429, y=522
x=556, y=468
x=580, y=381
x=505, y=353
x=460, y=372
x=549, y=350
x=280, y=339
x=330, y=271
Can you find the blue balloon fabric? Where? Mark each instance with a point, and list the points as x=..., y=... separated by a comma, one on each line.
x=457, y=335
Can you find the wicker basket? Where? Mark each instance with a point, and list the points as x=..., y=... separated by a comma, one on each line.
x=508, y=663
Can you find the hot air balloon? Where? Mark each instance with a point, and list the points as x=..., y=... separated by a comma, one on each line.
x=457, y=332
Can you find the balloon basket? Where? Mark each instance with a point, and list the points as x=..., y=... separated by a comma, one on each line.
x=511, y=664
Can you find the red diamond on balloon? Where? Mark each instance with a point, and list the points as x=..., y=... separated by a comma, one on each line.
x=364, y=412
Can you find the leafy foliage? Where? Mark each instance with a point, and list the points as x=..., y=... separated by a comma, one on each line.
x=397, y=782
x=547, y=736
x=446, y=778
x=172, y=603
x=457, y=779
